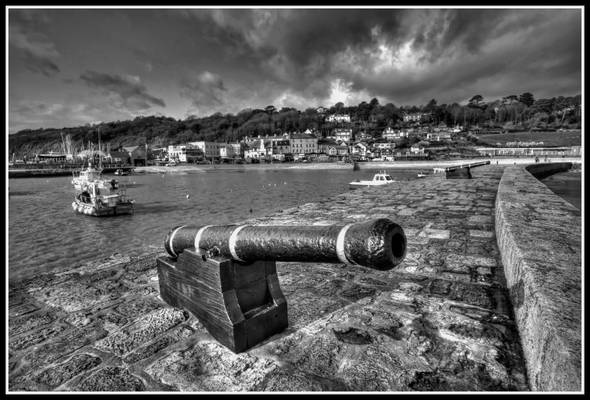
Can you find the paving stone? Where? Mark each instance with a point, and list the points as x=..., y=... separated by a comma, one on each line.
x=144, y=329
x=111, y=379
x=61, y=373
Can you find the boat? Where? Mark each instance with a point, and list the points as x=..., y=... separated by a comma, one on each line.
x=90, y=174
x=379, y=179
x=93, y=199
x=121, y=172
x=421, y=175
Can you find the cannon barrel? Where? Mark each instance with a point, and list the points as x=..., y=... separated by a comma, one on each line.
x=378, y=244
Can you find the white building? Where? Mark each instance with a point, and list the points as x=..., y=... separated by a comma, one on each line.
x=438, y=137
x=361, y=150
x=258, y=150
x=414, y=117
x=184, y=153
x=393, y=134
x=338, y=118
x=342, y=134
x=384, y=146
x=415, y=149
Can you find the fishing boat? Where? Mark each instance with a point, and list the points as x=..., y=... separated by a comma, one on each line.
x=93, y=199
x=421, y=175
x=88, y=175
x=379, y=179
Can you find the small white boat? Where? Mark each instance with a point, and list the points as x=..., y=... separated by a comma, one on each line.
x=421, y=175
x=379, y=179
x=94, y=200
x=121, y=172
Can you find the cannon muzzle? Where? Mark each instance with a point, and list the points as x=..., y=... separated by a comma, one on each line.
x=378, y=244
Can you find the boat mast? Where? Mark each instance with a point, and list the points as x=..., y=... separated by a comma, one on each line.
x=99, y=157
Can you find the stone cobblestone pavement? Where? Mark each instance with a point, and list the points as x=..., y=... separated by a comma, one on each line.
x=440, y=321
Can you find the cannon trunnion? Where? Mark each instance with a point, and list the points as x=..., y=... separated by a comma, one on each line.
x=226, y=275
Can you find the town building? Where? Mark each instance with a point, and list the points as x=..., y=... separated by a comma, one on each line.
x=258, y=150
x=360, y=150
x=137, y=155
x=416, y=149
x=338, y=118
x=414, y=117
x=342, y=135
x=211, y=150
x=230, y=150
x=384, y=146
x=280, y=147
x=303, y=144
x=119, y=157
x=394, y=134
x=185, y=153
x=438, y=136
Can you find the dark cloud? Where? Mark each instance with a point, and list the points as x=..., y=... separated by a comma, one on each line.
x=129, y=90
x=301, y=48
x=38, y=52
x=205, y=90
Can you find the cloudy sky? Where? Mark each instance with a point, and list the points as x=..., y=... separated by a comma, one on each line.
x=69, y=67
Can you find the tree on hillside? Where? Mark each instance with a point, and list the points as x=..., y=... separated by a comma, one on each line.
x=476, y=100
x=527, y=99
x=510, y=99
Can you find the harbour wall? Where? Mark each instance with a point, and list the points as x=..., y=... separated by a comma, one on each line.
x=539, y=237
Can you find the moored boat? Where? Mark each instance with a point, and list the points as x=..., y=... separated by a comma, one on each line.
x=121, y=172
x=379, y=179
x=97, y=201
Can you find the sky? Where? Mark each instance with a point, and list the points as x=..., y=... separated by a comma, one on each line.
x=71, y=67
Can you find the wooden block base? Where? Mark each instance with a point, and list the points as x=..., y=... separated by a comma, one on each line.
x=241, y=305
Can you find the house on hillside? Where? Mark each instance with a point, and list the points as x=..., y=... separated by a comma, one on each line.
x=343, y=135
x=338, y=118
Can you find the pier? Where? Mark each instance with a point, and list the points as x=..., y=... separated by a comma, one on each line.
x=458, y=314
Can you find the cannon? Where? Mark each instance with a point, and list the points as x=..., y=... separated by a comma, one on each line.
x=226, y=275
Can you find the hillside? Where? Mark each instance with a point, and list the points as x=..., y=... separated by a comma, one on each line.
x=511, y=113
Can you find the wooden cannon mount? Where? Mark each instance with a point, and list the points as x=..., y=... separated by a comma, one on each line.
x=226, y=275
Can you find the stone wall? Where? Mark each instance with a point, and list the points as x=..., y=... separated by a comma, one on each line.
x=539, y=237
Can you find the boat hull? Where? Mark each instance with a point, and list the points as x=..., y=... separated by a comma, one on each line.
x=357, y=185
x=122, y=208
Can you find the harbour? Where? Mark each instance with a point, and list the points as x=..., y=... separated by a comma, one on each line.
x=57, y=236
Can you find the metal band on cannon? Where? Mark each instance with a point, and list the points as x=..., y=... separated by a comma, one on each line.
x=378, y=244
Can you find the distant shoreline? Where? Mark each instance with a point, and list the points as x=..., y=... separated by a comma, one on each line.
x=363, y=165
x=369, y=165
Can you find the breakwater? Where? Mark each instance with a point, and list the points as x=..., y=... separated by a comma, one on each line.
x=539, y=235
x=441, y=321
